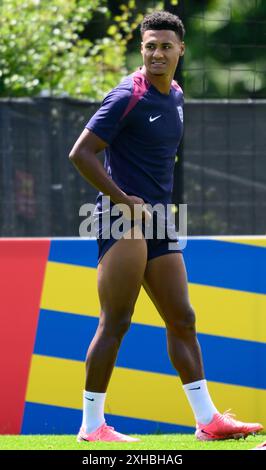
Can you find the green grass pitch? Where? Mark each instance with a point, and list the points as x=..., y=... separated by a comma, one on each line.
x=148, y=442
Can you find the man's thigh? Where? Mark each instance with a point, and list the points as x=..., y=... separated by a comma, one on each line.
x=120, y=274
x=165, y=281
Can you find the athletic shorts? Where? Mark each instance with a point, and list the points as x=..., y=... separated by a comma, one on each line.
x=156, y=245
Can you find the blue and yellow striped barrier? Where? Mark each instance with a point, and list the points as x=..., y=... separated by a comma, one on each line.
x=227, y=282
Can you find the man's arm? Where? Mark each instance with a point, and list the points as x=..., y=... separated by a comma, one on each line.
x=84, y=157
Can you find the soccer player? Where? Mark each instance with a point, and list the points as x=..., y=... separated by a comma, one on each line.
x=139, y=126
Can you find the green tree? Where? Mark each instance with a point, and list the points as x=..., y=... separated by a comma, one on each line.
x=58, y=46
x=47, y=46
x=41, y=49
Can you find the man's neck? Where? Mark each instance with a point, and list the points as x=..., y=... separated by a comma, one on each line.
x=161, y=82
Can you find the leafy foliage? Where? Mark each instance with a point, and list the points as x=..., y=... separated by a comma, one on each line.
x=41, y=49
x=50, y=46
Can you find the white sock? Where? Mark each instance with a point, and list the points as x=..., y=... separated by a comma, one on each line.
x=200, y=401
x=93, y=410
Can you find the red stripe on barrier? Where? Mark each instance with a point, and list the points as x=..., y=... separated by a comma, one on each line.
x=22, y=267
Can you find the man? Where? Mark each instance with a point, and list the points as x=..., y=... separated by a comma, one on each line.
x=139, y=125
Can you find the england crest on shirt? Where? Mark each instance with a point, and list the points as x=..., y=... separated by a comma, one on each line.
x=180, y=112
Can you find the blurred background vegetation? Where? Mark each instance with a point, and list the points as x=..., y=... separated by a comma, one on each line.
x=82, y=48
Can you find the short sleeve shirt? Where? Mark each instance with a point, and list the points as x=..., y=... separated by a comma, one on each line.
x=143, y=129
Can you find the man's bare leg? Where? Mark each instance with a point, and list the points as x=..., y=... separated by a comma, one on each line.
x=120, y=275
x=166, y=284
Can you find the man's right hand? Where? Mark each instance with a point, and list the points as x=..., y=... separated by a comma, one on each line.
x=137, y=208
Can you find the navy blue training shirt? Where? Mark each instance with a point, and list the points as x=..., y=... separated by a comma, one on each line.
x=143, y=128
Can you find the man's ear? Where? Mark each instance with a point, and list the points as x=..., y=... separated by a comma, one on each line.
x=182, y=49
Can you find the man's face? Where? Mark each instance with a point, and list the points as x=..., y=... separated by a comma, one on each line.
x=161, y=51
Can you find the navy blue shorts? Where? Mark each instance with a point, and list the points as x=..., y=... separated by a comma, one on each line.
x=156, y=246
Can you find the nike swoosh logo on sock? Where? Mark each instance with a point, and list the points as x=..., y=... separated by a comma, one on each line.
x=90, y=399
x=196, y=388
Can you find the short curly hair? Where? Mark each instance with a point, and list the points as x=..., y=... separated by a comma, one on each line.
x=163, y=20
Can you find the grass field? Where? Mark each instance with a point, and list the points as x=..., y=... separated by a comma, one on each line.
x=148, y=442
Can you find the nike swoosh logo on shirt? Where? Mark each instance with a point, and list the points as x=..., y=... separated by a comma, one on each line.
x=154, y=118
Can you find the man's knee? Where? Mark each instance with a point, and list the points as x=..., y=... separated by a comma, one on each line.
x=183, y=324
x=118, y=327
